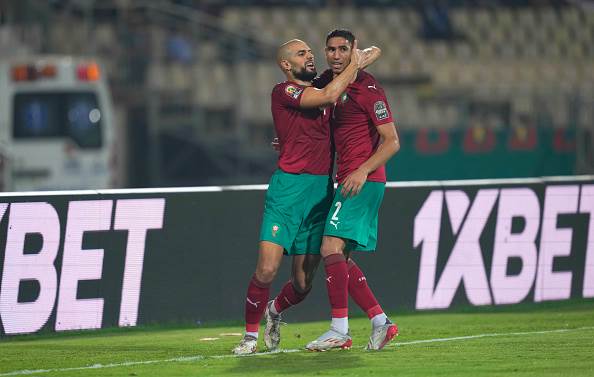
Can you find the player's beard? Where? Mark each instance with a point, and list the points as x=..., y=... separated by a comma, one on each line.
x=304, y=75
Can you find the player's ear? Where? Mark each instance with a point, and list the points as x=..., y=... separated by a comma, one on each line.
x=285, y=65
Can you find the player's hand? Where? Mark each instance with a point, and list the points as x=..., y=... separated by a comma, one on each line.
x=353, y=183
x=275, y=144
x=356, y=55
x=364, y=58
x=369, y=55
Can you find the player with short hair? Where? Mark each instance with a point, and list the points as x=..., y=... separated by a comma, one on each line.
x=300, y=191
x=365, y=139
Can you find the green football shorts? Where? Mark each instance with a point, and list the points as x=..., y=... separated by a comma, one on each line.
x=354, y=219
x=295, y=209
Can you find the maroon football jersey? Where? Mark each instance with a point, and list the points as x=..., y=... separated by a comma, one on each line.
x=304, y=135
x=355, y=117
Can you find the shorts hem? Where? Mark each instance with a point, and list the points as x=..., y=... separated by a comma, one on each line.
x=302, y=252
x=363, y=250
x=274, y=242
x=351, y=242
x=287, y=251
x=347, y=239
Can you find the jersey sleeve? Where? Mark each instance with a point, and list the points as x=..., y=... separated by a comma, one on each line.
x=322, y=80
x=376, y=105
x=287, y=94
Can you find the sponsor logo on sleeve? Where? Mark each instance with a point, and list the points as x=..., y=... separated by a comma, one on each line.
x=293, y=91
x=381, y=111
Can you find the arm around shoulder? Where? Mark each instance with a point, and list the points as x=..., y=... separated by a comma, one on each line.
x=313, y=97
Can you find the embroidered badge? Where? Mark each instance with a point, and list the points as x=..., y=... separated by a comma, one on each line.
x=293, y=91
x=381, y=111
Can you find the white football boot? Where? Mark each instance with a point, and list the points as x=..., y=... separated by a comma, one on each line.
x=272, y=329
x=381, y=335
x=330, y=339
x=247, y=346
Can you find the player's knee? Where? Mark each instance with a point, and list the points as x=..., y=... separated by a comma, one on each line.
x=329, y=249
x=325, y=250
x=331, y=245
x=266, y=274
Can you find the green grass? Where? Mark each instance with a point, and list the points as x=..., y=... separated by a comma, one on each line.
x=568, y=353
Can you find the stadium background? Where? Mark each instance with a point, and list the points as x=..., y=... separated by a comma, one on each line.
x=503, y=270
x=480, y=89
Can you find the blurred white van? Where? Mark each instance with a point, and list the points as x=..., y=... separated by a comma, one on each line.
x=56, y=125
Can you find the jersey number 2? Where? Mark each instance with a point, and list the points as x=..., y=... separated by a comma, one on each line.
x=335, y=215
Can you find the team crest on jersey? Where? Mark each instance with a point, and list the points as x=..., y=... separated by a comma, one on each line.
x=381, y=111
x=275, y=229
x=344, y=97
x=293, y=91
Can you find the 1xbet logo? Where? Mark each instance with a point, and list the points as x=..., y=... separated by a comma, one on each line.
x=59, y=291
x=537, y=244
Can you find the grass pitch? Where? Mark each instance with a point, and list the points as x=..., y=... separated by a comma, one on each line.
x=551, y=339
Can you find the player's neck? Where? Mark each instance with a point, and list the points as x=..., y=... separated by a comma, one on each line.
x=300, y=82
x=352, y=80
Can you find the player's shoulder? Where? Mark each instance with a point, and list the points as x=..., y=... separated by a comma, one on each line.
x=287, y=88
x=365, y=76
x=367, y=89
x=366, y=80
x=279, y=87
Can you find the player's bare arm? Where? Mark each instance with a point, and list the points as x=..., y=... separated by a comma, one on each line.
x=369, y=56
x=313, y=97
x=389, y=145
